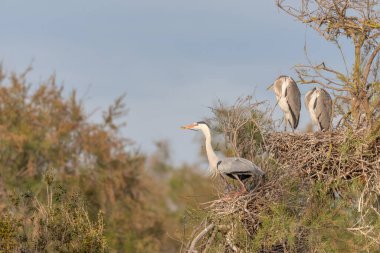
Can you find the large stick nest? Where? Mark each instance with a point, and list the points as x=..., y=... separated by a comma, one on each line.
x=339, y=154
x=308, y=157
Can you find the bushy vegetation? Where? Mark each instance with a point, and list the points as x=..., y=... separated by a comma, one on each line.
x=59, y=224
x=104, y=198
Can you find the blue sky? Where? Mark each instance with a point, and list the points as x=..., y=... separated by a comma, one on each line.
x=173, y=58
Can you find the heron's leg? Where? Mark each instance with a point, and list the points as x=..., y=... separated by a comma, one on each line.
x=285, y=122
x=225, y=181
x=243, y=189
x=282, y=121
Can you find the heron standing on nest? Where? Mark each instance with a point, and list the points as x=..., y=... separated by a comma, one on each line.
x=288, y=98
x=233, y=167
x=319, y=104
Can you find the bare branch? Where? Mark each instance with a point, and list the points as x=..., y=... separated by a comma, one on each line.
x=367, y=68
x=337, y=21
x=198, y=237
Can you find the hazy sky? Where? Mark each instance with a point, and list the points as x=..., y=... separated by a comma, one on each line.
x=173, y=58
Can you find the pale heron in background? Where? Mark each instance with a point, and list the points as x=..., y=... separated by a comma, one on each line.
x=233, y=167
x=288, y=98
x=319, y=104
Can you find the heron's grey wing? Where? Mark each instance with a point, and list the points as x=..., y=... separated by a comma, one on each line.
x=323, y=110
x=293, y=96
x=236, y=165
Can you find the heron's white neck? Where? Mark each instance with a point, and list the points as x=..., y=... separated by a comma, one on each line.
x=212, y=158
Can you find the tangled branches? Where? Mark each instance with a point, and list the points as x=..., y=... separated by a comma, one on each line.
x=242, y=125
x=341, y=154
x=311, y=177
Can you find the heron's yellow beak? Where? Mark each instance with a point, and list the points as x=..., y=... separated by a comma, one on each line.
x=270, y=87
x=188, y=126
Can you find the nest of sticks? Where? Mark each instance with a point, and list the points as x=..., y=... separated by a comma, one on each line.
x=310, y=157
x=340, y=154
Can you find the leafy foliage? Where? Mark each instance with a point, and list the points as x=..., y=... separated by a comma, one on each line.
x=61, y=224
x=106, y=195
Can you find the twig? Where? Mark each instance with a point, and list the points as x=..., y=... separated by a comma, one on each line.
x=210, y=240
x=198, y=237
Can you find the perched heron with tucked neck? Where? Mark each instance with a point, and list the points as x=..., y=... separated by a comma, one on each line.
x=288, y=98
x=319, y=104
x=233, y=167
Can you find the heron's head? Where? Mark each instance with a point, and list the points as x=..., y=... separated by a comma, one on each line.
x=200, y=125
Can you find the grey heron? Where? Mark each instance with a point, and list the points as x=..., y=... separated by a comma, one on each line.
x=233, y=167
x=288, y=98
x=319, y=104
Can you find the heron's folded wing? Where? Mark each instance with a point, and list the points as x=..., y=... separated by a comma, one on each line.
x=324, y=110
x=294, y=102
x=238, y=165
x=308, y=98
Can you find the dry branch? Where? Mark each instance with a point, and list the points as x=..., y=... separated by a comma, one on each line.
x=198, y=237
